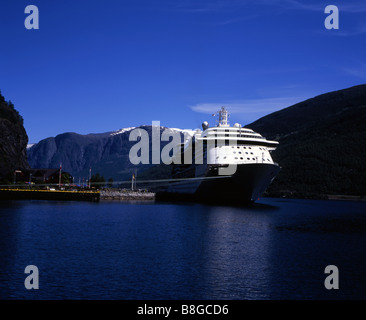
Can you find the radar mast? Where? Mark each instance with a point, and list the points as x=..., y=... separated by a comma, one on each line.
x=223, y=117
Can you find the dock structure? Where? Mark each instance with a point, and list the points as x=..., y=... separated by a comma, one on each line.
x=126, y=195
x=38, y=194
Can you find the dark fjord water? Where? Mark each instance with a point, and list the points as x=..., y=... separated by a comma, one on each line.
x=276, y=249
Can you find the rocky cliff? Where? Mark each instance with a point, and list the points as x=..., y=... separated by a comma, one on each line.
x=13, y=141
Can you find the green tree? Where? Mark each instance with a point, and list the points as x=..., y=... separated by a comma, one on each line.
x=97, y=181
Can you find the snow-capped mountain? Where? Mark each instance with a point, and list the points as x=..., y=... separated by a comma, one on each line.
x=105, y=153
x=120, y=131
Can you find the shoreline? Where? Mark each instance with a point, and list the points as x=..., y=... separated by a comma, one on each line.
x=140, y=195
x=346, y=198
x=41, y=194
x=331, y=197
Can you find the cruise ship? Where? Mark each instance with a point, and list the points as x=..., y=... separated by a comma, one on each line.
x=222, y=163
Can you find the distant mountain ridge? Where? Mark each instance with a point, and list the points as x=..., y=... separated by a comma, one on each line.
x=105, y=153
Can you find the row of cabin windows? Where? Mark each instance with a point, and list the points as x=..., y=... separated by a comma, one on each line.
x=241, y=158
x=228, y=130
x=241, y=147
x=227, y=143
x=236, y=136
x=245, y=152
x=260, y=148
x=255, y=147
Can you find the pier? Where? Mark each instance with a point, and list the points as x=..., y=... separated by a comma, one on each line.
x=126, y=195
x=39, y=194
x=78, y=195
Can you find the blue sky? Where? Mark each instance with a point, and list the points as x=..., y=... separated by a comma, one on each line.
x=97, y=66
